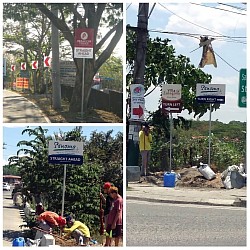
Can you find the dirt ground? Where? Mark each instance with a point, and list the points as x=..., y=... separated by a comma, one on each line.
x=189, y=177
x=64, y=116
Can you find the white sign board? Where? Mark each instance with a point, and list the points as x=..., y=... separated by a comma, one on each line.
x=65, y=152
x=210, y=93
x=137, y=102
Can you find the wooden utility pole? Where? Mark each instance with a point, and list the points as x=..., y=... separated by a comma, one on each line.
x=138, y=78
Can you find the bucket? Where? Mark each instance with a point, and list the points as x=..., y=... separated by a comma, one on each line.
x=18, y=242
x=169, y=179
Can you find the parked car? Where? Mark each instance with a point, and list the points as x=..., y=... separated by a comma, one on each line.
x=6, y=186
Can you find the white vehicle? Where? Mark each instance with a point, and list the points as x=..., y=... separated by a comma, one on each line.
x=6, y=186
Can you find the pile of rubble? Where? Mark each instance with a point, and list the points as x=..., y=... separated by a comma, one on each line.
x=193, y=177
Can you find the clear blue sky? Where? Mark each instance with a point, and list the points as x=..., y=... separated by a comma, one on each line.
x=196, y=19
x=12, y=135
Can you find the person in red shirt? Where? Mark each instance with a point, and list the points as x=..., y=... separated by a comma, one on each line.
x=49, y=220
x=114, y=223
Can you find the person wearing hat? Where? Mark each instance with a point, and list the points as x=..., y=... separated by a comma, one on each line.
x=145, y=140
x=114, y=227
x=39, y=208
x=78, y=230
x=108, y=203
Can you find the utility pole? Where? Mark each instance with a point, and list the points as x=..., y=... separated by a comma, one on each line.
x=56, y=85
x=138, y=78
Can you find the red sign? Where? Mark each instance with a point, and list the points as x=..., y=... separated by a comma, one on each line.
x=23, y=66
x=34, y=64
x=46, y=61
x=13, y=67
x=138, y=111
x=84, y=38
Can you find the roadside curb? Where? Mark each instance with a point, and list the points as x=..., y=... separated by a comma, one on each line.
x=212, y=202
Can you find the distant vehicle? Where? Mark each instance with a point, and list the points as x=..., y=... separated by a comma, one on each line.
x=6, y=186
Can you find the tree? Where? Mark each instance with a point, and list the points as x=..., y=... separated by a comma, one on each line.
x=87, y=15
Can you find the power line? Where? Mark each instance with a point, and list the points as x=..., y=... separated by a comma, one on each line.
x=190, y=21
x=226, y=62
x=219, y=8
x=236, y=7
x=197, y=36
x=129, y=6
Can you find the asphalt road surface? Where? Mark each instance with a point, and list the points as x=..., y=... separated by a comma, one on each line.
x=17, y=109
x=158, y=224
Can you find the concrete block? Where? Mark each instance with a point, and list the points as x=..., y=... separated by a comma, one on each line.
x=133, y=173
x=47, y=240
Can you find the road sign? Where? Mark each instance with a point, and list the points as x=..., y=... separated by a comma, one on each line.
x=47, y=61
x=210, y=93
x=34, y=64
x=13, y=67
x=137, y=102
x=84, y=43
x=67, y=73
x=65, y=152
x=23, y=66
x=242, y=99
x=171, y=98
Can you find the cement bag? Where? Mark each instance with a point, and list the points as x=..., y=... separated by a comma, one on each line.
x=237, y=180
x=207, y=172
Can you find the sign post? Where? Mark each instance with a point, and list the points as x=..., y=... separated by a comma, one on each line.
x=65, y=152
x=242, y=99
x=171, y=103
x=84, y=44
x=210, y=93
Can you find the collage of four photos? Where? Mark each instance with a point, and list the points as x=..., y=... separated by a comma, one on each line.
x=124, y=124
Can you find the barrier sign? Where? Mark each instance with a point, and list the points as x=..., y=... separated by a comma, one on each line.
x=210, y=93
x=65, y=152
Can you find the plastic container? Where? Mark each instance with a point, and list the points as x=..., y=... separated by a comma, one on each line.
x=18, y=242
x=206, y=171
x=169, y=179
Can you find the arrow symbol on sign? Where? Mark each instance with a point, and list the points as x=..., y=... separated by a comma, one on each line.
x=170, y=109
x=46, y=62
x=23, y=66
x=13, y=67
x=34, y=65
x=138, y=111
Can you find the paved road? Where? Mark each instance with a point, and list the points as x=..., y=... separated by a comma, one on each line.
x=167, y=224
x=17, y=109
x=11, y=220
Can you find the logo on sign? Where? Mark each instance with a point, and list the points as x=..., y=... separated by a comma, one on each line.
x=84, y=36
x=138, y=90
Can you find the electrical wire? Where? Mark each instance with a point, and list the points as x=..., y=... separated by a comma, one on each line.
x=226, y=62
x=190, y=21
x=129, y=6
x=235, y=7
x=195, y=35
x=219, y=8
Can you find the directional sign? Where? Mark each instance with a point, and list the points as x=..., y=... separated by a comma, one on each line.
x=210, y=93
x=34, y=64
x=13, y=67
x=137, y=102
x=23, y=66
x=242, y=98
x=84, y=43
x=65, y=152
x=47, y=61
x=171, y=98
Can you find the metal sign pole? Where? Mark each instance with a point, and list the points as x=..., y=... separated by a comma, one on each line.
x=170, y=150
x=64, y=185
x=209, y=137
x=83, y=69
